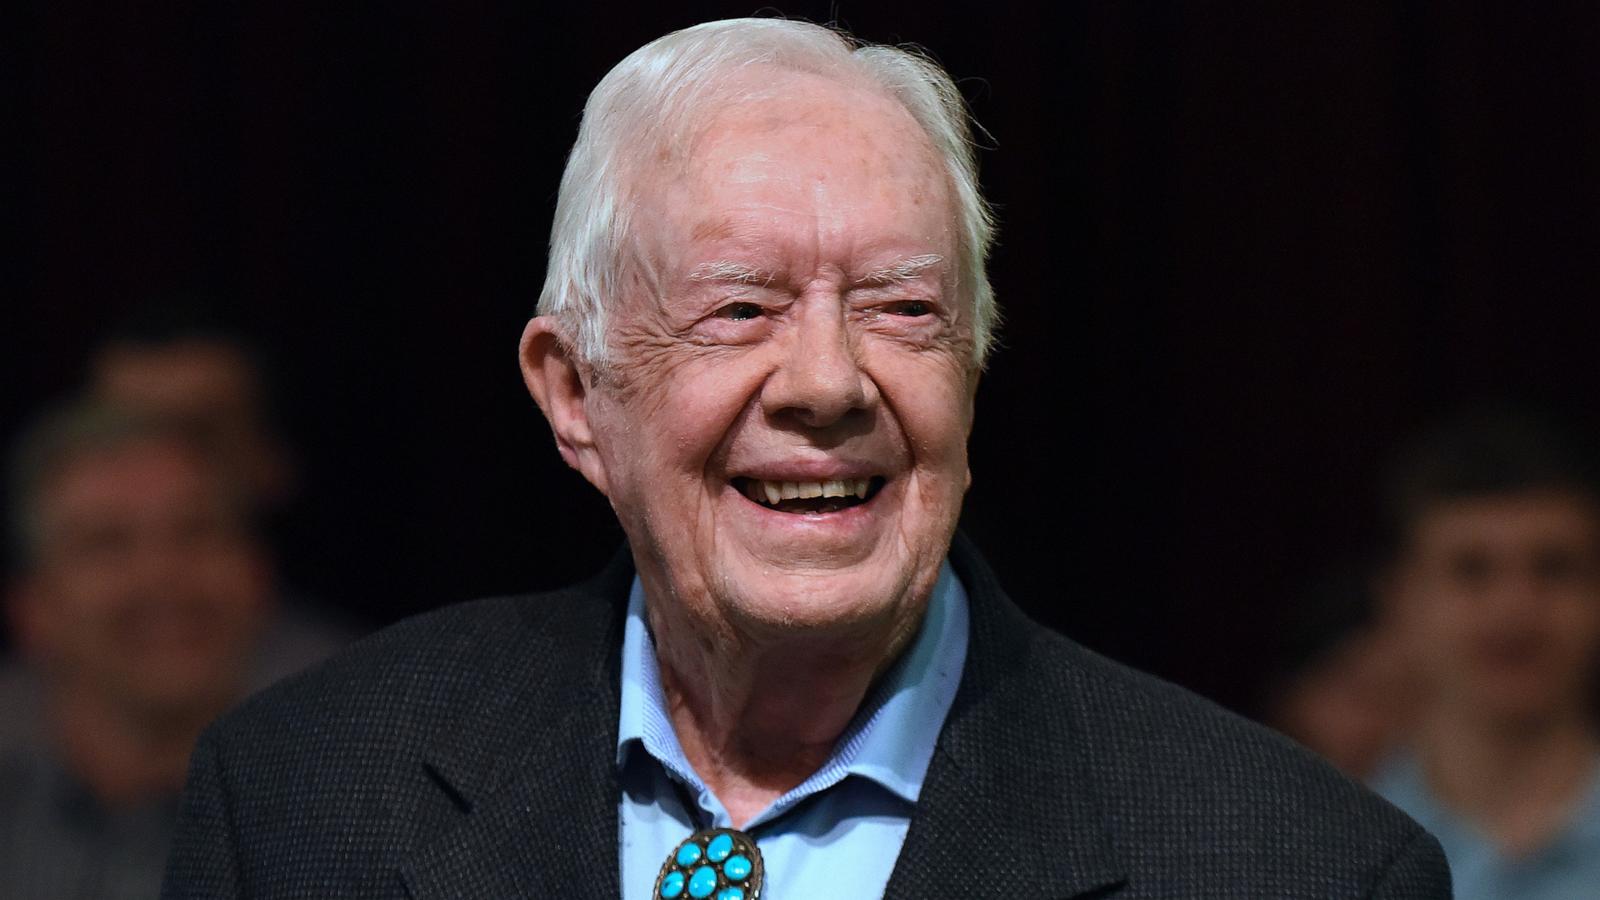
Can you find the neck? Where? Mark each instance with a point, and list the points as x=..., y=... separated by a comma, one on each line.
x=1519, y=782
x=122, y=757
x=757, y=717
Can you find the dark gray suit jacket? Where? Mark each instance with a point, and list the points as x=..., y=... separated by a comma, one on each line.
x=469, y=753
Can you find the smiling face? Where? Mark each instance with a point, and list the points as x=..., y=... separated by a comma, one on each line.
x=782, y=427
x=1499, y=602
x=148, y=592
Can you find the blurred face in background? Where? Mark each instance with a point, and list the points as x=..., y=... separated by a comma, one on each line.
x=212, y=390
x=147, y=591
x=1352, y=706
x=1498, y=602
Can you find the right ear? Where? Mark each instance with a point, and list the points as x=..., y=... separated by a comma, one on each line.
x=556, y=379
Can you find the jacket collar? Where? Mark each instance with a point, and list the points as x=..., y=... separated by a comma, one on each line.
x=527, y=762
x=532, y=767
x=1044, y=833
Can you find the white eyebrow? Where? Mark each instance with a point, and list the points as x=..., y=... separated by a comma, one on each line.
x=904, y=270
x=736, y=273
x=898, y=272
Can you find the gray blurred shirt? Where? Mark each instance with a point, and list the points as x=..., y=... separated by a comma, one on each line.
x=57, y=841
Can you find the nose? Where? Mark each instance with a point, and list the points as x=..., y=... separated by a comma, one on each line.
x=818, y=380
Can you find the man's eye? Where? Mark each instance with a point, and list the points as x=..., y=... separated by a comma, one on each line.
x=909, y=308
x=739, y=311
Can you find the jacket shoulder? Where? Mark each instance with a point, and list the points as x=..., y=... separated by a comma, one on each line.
x=324, y=784
x=1176, y=772
x=419, y=669
x=1166, y=765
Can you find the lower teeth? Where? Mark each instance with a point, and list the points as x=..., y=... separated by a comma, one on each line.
x=830, y=504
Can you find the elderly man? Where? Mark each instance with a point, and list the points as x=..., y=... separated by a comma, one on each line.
x=762, y=329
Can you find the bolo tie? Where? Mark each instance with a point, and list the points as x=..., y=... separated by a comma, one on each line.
x=714, y=863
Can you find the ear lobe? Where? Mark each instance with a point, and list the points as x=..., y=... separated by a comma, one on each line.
x=555, y=378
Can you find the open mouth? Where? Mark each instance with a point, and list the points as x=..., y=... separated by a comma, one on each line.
x=809, y=497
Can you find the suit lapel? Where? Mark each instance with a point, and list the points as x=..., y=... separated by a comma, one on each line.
x=1008, y=807
x=532, y=766
x=553, y=822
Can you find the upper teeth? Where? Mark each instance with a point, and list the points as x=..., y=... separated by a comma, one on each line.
x=773, y=491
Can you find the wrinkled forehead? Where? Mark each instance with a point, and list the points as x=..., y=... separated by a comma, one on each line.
x=771, y=100
x=776, y=128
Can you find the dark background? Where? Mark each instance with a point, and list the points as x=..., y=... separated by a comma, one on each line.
x=1245, y=248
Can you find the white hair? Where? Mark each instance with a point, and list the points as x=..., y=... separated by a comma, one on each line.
x=645, y=104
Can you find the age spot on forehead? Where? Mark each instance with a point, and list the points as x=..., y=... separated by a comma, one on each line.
x=713, y=229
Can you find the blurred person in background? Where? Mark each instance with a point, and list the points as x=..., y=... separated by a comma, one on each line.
x=1495, y=592
x=141, y=599
x=177, y=359
x=1342, y=688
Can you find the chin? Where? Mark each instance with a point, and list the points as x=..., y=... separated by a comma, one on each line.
x=866, y=597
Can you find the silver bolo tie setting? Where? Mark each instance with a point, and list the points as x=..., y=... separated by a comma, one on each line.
x=715, y=863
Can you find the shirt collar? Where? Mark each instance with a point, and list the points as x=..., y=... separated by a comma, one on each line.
x=1584, y=833
x=889, y=742
x=1402, y=782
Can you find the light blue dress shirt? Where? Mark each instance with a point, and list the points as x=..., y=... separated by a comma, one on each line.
x=1566, y=868
x=839, y=832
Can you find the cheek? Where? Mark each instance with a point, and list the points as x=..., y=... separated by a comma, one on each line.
x=1450, y=627
x=1430, y=623
x=235, y=582
x=673, y=423
x=1577, y=624
x=83, y=600
x=933, y=408
x=71, y=620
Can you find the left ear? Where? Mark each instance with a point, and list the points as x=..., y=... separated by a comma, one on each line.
x=556, y=378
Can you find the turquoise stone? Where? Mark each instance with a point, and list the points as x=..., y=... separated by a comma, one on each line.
x=672, y=885
x=736, y=868
x=702, y=882
x=719, y=848
x=688, y=854
x=730, y=894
